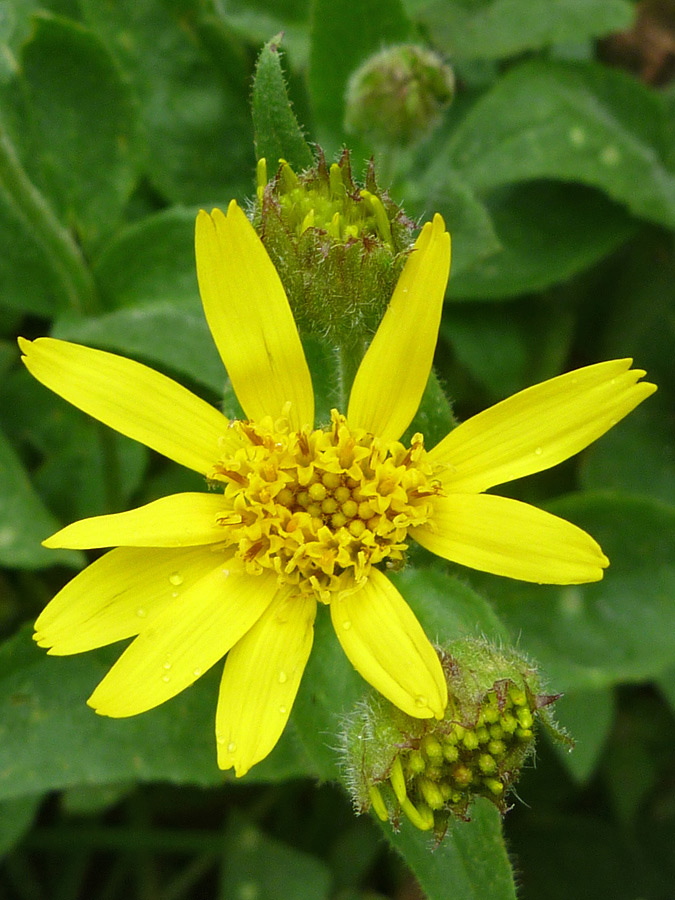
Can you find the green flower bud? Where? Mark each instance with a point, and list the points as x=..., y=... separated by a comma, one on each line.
x=430, y=770
x=398, y=95
x=338, y=248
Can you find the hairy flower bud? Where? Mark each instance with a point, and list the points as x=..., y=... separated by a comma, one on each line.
x=398, y=95
x=430, y=770
x=338, y=248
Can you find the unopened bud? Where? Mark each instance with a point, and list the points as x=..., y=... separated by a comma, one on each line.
x=338, y=247
x=398, y=95
x=430, y=770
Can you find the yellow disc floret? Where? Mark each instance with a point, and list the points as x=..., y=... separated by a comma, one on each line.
x=321, y=507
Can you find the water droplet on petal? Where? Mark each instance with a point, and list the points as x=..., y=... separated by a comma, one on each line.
x=226, y=572
x=220, y=739
x=346, y=625
x=537, y=451
x=283, y=677
x=231, y=747
x=176, y=579
x=196, y=672
x=421, y=701
x=167, y=664
x=166, y=678
x=141, y=613
x=282, y=710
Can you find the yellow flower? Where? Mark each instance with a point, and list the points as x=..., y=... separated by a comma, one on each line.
x=302, y=516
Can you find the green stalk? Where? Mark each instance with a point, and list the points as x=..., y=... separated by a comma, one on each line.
x=349, y=358
x=31, y=206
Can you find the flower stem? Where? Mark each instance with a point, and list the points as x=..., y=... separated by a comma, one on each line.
x=349, y=360
x=64, y=254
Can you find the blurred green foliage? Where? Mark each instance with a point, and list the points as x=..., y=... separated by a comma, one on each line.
x=555, y=171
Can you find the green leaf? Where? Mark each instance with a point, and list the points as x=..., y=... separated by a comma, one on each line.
x=638, y=458
x=16, y=818
x=471, y=861
x=173, y=336
x=343, y=34
x=538, y=249
x=571, y=122
x=26, y=275
x=24, y=521
x=466, y=216
x=505, y=349
x=277, y=132
x=619, y=629
x=434, y=418
x=257, y=865
x=492, y=29
x=84, y=160
x=50, y=739
x=150, y=260
x=588, y=716
x=192, y=102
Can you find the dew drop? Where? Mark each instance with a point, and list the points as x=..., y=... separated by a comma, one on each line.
x=231, y=747
x=166, y=678
x=282, y=710
x=167, y=665
x=176, y=579
x=196, y=672
x=537, y=451
x=346, y=625
x=282, y=677
x=220, y=739
x=226, y=572
x=421, y=701
x=141, y=613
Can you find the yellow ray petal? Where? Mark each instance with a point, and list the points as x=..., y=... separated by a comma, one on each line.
x=386, y=644
x=180, y=520
x=182, y=642
x=250, y=319
x=260, y=680
x=539, y=427
x=507, y=537
x=133, y=399
x=393, y=374
x=118, y=595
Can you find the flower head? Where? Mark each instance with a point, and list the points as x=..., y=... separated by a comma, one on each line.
x=304, y=515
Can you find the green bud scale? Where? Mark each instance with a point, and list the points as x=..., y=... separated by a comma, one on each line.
x=338, y=248
x=430, y=770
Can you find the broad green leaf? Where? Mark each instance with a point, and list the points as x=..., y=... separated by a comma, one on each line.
x=24, y=520
x=492, y=29
x=471, y=863
x=508, y=348
x=258, y=866
x=619, y=629
x=277, y=132
x=50, y=739
x=192, y=98
x=84, y=160
x=537, y=248
x=172, y=336
x=16, y=818
x=28, y=281
x=84, y=468
x=343, y=34
x=571, y=122
x=588, y=716
x=639, y=457
x=150, y=260
x=474, y=240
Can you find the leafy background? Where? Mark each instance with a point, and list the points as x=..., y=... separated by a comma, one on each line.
x=555, y=170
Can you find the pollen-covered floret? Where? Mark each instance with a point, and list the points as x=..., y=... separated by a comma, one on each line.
x=321, y=507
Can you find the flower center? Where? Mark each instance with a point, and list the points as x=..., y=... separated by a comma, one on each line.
x=321, y=507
